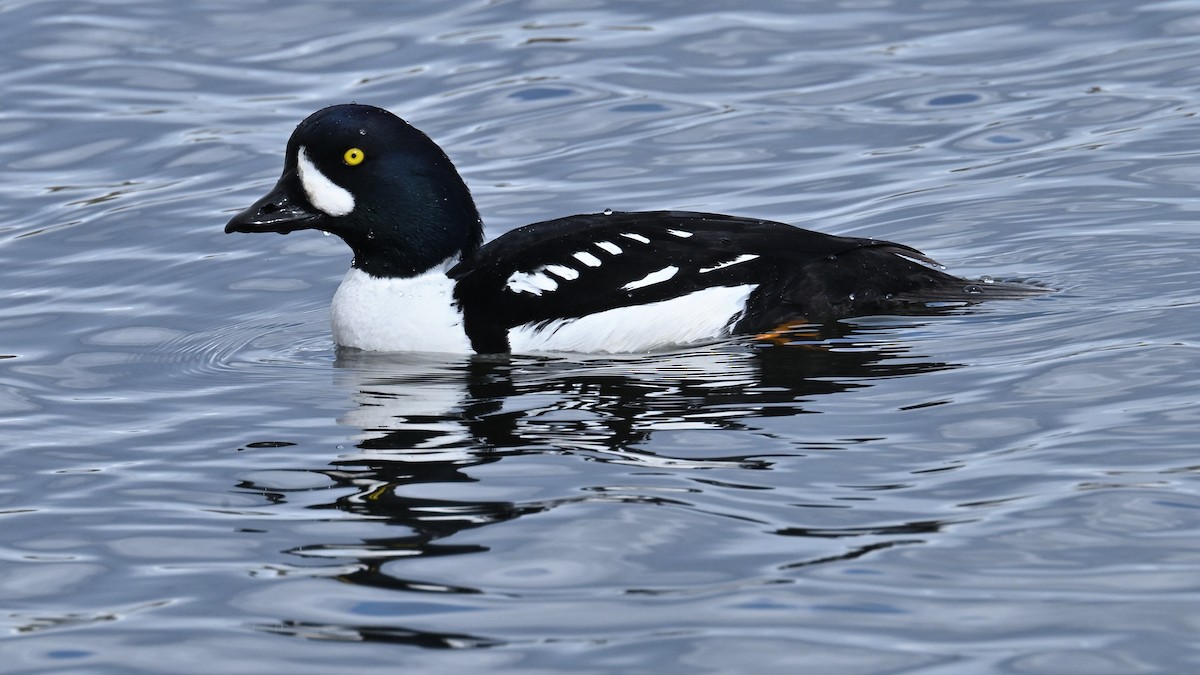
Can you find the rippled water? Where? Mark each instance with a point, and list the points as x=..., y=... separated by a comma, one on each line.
x=193, y=480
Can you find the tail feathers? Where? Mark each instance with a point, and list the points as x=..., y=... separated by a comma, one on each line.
x=871, y=280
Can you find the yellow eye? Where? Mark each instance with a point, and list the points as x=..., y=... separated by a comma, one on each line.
x=353, y=157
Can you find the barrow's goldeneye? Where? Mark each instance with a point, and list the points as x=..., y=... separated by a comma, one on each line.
x=422, y=280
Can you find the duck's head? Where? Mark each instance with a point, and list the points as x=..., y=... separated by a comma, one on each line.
x=381, y=185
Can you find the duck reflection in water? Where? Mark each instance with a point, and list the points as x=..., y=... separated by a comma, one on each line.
x=427, y=419
x=413, y=408
x=430, y=420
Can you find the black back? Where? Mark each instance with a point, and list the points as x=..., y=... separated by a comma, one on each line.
x=800, y=274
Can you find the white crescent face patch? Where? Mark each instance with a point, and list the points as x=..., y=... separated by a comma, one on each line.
x=325, y=195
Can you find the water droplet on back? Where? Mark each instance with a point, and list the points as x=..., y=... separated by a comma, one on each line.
x=608, y=212
x=972, y=290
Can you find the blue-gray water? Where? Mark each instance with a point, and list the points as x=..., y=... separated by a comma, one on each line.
x=192, y=480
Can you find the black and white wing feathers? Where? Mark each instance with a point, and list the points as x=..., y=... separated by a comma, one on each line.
x=584, y=264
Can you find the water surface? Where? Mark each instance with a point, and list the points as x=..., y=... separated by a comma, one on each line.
x=195, y=480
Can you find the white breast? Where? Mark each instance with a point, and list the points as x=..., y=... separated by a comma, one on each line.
x=398, y=315
x=703, y=315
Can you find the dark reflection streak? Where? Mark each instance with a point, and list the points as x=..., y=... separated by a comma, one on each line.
x=430, y=518
x=727, y=484
x=852, y=554
x=401, y=438
x=372, y=576
x=914, y=527
x=272, y=495
x=374, y=633
x=878, y=488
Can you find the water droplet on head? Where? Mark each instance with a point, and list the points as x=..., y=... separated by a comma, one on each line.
x=362, y=132
x=972, y=290
x=326, y=233
x=986, y=280
x=852, y=296
x=608, y=212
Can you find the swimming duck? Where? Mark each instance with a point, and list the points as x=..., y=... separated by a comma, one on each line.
x=422, y=279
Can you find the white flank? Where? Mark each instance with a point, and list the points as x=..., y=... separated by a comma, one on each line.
x=682, y=234
x=530, y=282
x=325, y=195
x=563, y=272
x=610, y=247
x=635, y=237
x=586, y=258
x=703, y=315
x=745, y=257
x=398, y=315
x=652, y=278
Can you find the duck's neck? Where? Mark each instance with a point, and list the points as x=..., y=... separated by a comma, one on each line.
x=411, y=250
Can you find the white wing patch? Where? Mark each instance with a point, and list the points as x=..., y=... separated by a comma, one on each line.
x=706, y=314
x=745, y=257
x=325, y=195
x=635, y=237
x=563, y=272
x=652, y=278
x=682, y=234
x=610, y=247
x=587, y=259
x=531, y=282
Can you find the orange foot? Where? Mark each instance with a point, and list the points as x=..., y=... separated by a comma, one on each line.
x=788, y=332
